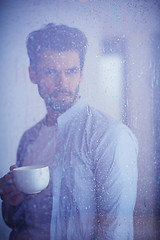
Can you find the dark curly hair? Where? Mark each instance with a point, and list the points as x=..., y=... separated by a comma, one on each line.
x=58, y=38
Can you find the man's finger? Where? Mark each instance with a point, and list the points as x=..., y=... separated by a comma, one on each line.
x=13, y=166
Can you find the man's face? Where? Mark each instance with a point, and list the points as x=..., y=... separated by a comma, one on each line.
x=58, y=78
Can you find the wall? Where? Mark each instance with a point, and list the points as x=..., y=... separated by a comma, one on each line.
x=21, y=106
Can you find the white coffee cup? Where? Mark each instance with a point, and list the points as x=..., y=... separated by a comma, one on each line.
x=31, y=179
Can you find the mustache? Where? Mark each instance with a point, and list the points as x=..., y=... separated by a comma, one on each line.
x=58, y=91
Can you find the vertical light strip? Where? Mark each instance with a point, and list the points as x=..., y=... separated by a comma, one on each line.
x=110, y=84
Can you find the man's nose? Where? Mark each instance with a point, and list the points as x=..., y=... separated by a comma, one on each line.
x=61, y=80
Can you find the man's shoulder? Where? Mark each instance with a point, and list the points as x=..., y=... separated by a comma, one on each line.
x=102, y=123
x=32, y=133
x=28, y=137
x=99, y=119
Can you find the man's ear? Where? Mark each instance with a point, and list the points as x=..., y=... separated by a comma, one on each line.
x=32, y=75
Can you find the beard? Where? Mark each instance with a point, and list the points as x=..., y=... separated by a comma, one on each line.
x=53, y=102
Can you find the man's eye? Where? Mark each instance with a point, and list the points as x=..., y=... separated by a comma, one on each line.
x=72, y=70
x=50, y=72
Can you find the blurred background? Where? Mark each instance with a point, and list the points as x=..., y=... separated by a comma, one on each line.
x=122, y=78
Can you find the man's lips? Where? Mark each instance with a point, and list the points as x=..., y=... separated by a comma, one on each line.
x=60, y=94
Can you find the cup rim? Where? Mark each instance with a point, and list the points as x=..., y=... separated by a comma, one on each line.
x=30, y=167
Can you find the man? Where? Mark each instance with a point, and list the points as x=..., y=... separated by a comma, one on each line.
x=92, y=158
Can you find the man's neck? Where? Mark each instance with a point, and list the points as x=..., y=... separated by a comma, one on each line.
x=51, y=118
x=52, y=114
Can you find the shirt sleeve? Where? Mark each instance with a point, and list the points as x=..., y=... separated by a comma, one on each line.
x=14, y=215
x=116, y=179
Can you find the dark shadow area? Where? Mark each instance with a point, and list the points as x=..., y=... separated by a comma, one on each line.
x=156, y=122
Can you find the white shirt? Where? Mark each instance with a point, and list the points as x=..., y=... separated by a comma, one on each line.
x=94, y=177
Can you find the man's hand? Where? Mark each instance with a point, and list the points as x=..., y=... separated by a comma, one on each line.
x=8, y=190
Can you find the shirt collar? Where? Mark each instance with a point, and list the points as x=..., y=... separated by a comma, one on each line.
x=71, y=112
